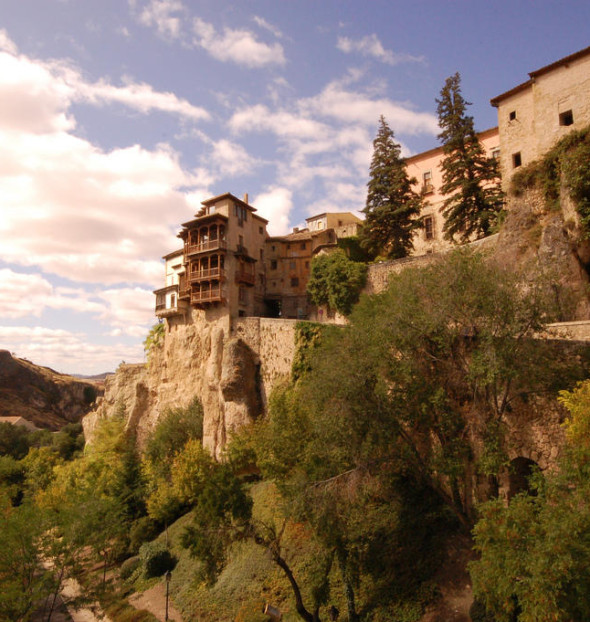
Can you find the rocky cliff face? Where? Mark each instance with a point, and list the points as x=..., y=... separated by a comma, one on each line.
x=198, y=358
x=40, y=395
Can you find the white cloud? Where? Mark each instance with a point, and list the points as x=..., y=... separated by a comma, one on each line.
x=275, y=205
x=161, y=14
x=371, y=46
x=76, y=210
x=236, y=46
x=267, y=26
x=66, y=351
x=232, y=159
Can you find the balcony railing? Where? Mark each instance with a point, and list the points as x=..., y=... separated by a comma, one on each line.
x=246, y=276
x=203, y=247
x=215, y=294
x=205, y=275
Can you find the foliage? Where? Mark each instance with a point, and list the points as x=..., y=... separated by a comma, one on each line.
x=12, y=476
x=156, y=559
x=354, y=250
x=308, y=336
x=336, y=281
x=533, y=553
x=154, y=338
x=69, y=441
x=568, y=162
x=129, y=566
x=392, y=207
x=470, y=179
x=14, y=440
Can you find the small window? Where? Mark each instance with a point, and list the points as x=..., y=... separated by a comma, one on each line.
x=428, y=227
x=512, y=116
x=340, y=223
x=273, y=264
x=303, y=246
x=291, y=265
x=307, y=264
x=427, y=186
x=260, y=230
x=516, y=160
x=566, y=118
x=495, y=154
x=272, y=248
x=261, y=255
x=173, y=301
x=294, y=281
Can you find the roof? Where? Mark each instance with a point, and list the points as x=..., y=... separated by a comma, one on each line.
x=434, y=150
x=173, y=254
x=305, y=234
x=205, y=218
x=332, y=213
x=228, y=195
x=566, y=60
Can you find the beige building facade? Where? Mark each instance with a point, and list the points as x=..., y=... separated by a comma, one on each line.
x=425, y=167
x=534, y=115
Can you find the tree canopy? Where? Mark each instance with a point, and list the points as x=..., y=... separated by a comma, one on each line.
x=470, y=179
x=392, y=208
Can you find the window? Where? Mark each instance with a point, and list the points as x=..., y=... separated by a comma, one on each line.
x=495, y=154
x=273, y=264
x=173, y=301
x=340, y=223
x=241, y=214
x=261, y=255
x=428, y=227
x=303, y=246
x=512, y=116
x=240, y=242
x=307, y=264
x=272, y=248
x=516, y=160
x=291, y=265
x=260, y=230
x=427, y=182
x=294, y=281
x=242, y=295
x=566, y=118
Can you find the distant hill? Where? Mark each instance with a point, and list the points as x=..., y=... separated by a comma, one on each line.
x=96, y=377
x=41, y=395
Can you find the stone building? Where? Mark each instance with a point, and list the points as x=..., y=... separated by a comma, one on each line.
x=425, y=167
x=534, y=115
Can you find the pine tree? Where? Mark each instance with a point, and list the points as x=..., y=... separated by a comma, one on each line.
x=470, y=179
x=392, y=208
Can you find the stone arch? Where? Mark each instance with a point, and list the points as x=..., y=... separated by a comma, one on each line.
x=520, y=470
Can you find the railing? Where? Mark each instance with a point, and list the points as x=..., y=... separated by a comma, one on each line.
x=203, y=275
x=245, y=276
x=202, y=247
x=215, y=294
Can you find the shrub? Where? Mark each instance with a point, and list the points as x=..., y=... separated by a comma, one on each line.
x=156, y=559
x=128, y=567
x=142, y=530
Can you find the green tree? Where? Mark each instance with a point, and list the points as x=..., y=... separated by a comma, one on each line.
x=533, y=563
x=470, y=179
x=336, y=281
x=392, y=208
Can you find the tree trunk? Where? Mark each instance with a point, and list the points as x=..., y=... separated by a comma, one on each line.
x=304, y=614
x=348, y=589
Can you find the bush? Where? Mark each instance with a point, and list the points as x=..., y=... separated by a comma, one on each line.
x=142, y=530
x=128, y=567
x=156, y=559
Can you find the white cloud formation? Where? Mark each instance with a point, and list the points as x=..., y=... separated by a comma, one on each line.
x=162, y=14
x=275, y=205
x=232, y=159
x=268, y=26
x=236, y=46
x=78, y=211
x=66, y=351
x=371, y=46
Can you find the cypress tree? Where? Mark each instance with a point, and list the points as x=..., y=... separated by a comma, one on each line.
x=392, y=208
x=470, y=179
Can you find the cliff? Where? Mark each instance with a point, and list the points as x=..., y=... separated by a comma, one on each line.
x=231, y=369
x=44, y=397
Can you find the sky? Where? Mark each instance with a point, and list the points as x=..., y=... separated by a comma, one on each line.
x=118, y=117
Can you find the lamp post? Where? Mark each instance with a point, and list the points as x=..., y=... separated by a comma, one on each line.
x=168, y=577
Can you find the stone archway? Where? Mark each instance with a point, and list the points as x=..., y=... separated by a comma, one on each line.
x=520, y=470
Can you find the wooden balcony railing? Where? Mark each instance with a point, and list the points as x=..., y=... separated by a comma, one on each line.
x=215, y=294
x=203, y=247
x=205, y=275
x=246, y=276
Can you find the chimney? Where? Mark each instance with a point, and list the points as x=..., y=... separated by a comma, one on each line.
x=295, y=229
x=246, y=197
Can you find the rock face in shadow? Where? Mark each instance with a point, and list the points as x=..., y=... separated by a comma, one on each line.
x=41, y=395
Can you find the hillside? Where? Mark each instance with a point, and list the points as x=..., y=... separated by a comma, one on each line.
x=41, y=395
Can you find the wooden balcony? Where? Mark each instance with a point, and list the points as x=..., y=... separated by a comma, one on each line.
x=215, y=294
x=206, y=275
x=248, y=277
x=205, y=247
